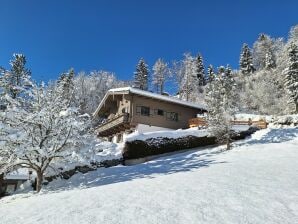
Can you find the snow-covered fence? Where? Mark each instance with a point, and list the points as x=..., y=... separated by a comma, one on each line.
x=201, y=122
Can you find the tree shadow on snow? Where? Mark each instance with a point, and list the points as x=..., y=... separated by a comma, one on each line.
x=181, y=162
x=273, y=136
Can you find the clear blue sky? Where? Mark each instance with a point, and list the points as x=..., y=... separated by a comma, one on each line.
x=112, y=35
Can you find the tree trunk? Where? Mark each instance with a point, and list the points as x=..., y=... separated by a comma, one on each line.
x=1, y=183
x=39, y=180
x=228, y=144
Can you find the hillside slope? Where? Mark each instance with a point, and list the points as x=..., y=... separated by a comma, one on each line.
x=256, y=182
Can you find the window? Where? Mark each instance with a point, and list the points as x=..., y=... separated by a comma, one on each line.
x=160, y=112
x=172, y=116
x=145, y=111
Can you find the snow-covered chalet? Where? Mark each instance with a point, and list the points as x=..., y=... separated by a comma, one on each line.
x=127, y=109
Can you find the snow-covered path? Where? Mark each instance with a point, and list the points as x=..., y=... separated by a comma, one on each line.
x=256, y=182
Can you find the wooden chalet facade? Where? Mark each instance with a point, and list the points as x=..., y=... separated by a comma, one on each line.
x=124, y=110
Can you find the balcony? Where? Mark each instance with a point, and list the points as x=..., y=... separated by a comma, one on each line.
x=114, y=125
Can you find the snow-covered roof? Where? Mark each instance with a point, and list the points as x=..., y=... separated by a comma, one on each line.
x=151, y=95
x=19, y=174
x=16, y=177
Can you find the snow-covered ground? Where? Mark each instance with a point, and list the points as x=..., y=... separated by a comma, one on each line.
x=256, y=182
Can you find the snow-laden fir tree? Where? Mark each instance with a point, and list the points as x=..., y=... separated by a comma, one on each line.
x=43, y=133
x=291, y=78
x=269, y=61
x=141, y=75
x=14, y=81
x=66, y=82
x=221, y=98
x=246, y=62
x=200, y=70
x=210, y=74
x=160, y=74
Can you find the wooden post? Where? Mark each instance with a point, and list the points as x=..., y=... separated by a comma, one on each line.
x=249, y=121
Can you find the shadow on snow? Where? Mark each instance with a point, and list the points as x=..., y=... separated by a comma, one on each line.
x=273, y=136
x=181, y=162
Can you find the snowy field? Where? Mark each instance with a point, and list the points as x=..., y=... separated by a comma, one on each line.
x=256, y=182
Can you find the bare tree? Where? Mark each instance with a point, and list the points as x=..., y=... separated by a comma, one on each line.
x=45, y=131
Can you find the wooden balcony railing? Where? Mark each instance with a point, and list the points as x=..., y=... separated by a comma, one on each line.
x=112, y=124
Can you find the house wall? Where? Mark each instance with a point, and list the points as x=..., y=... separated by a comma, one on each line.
x=115, y=104
x=124, y=104
x=143, y=128
x=184, y=113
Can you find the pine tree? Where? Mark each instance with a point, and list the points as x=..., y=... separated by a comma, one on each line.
x=269, y=61
x=246, y=64
x=160, y=73
x=291, y=78
x=221, y=98
x=200, y=70
x=17, y=79
x=210, y=73
x=141, y=75
x=66, y=81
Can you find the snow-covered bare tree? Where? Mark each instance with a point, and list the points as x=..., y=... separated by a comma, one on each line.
x=44, y=132
x=189, y=82
x=160, y=74
x=246, y=62
x=221, y=98
x=141, y=75
x=261, y=93
x=91, y=87
x=291, y=79
x=266, y=47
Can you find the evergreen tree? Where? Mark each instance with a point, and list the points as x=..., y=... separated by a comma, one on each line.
x=141, y=75
x=221, y=98
x=246, y=64
x=269, y=61
x=210, y=73
x=160, y=73
x=17, y=79
x=66, y=82
x=291, y=78
x=200, y=70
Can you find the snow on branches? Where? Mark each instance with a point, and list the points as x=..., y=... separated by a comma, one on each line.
x=221, y=98
x=43, y=131
x=291, y=78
